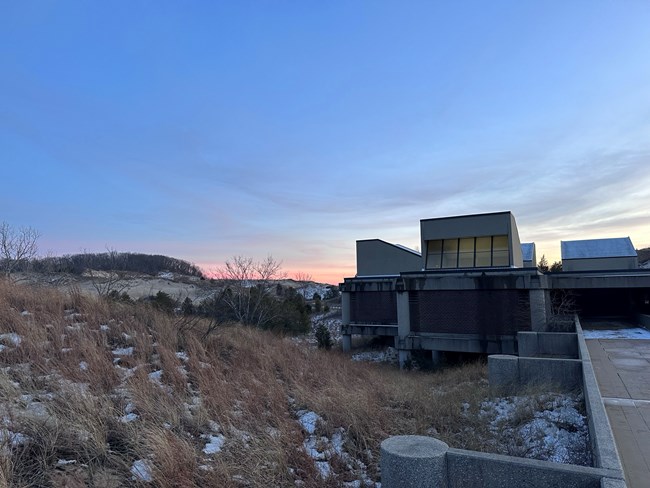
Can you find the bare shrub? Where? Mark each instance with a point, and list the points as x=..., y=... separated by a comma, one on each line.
x=17, y=247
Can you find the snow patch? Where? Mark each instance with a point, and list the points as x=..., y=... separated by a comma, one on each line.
x=156, y=376
x=129, y=417
x=308, y=420
x=11, y=337
x=141, y=470
x=547, y=427
x=123, y=351
x=631, y=333
x=214, y=444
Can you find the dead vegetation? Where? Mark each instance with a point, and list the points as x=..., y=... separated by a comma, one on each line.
x=100, y=393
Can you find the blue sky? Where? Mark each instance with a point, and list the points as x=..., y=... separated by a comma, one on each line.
x=209, y=129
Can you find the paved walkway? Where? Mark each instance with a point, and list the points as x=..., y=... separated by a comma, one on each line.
x=622, y=369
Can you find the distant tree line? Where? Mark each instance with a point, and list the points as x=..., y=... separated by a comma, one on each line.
x=150, y=264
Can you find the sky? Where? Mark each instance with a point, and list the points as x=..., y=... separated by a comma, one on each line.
x=207, y=129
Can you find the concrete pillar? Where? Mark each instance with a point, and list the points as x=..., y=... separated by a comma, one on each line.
x=403, y=326
x=413, y=461
x=436, y=357
x=346, y=342
x=538, y=310
x=404, y=357
x=403, y=314
x=503, y=371
x=345, y=308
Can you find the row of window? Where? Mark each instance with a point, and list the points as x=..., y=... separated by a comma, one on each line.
x=468, y=252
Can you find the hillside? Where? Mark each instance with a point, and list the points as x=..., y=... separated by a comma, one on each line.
x=108, y=394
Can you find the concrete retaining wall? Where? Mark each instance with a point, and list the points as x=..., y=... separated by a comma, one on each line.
x=601, y=437
x=507, y=372
x=547, y=344
x=417, y=461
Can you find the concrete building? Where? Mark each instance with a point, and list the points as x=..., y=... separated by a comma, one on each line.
x=471, y=241
x=474, y=287
x=377, y=257
x=599, y=254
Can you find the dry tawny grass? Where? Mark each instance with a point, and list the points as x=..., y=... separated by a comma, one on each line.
x=69, y=393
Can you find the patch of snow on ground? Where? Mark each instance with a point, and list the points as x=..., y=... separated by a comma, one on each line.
x=547, y=427
x=129, y=417
x=182, y=356
x=11, y=337
x=156, y=376
x=322, y=449
x=13, y=438
x=64, y=462
x=123, y=351
x=389, y=355
x=214, y=444
x=632, y=333
x=141, y=470
x=308, y=420
x=324, y=469
x=83, y=366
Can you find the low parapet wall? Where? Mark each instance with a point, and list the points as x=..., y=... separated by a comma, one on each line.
x=547, y=344
x=600, y=432
x=506, y=372
x=417, y=461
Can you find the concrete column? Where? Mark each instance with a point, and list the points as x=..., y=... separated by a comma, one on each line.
x=345, y=308
x=436, y=357
x=403, y=314
x=403, y=325
x=538, y=310
x=404, y=357
x=413, y=461
x=503, y=371
x=346, y=342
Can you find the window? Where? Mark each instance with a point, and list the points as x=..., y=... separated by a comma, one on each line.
x=500, y=254
x=483, y=251
x=468, y=252
x=450, y=253
x=434, y=254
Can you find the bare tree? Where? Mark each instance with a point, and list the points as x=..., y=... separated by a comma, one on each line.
x=17, y=247
x=303, y=280
x=112, y=281
x=247, y=291
x=563, y=309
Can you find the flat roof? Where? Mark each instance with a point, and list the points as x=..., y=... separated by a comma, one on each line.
x=615, y=247
x=507, y=212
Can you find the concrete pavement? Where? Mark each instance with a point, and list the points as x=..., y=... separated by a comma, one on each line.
x=622, y=368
